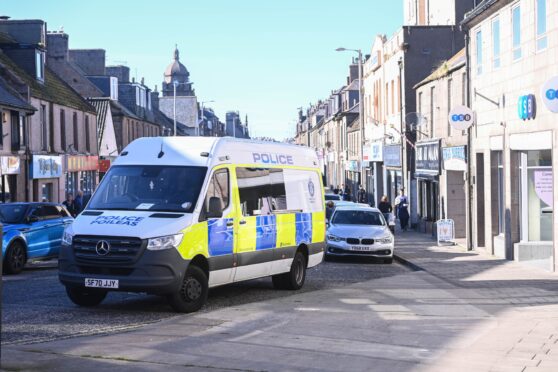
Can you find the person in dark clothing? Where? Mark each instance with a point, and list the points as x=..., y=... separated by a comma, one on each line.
x=385, y=206
x=402, y=206
x=330, y=207
x=347, y=194
x=70, y=204
x=78, y=202
x=362, y=196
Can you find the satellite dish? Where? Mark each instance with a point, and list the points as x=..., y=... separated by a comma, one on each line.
x=415, y=120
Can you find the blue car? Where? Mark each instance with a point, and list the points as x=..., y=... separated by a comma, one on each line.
x=31, y=231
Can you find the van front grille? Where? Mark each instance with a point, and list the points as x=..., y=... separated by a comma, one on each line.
x=120, y=249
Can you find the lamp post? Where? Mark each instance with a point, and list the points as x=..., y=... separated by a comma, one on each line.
x=201, y=104
x=360, y=108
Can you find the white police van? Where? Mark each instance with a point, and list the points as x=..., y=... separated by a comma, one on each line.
x=177, y=215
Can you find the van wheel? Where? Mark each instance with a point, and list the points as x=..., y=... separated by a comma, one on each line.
x=295, y=278
x=15, y=258
x=87, y=297
x=192, y=294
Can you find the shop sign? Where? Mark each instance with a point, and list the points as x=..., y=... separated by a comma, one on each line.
x=461, y=117
x=45, y=166
x=543, y=186
x=527, y=107
x=82, y=163
x=374, y=152
x=455, y=158
x=428, y=158
x=104, y=165
x=353, y=166
x=392, y=156
x=550, y=94
x=10, y=165
x=445, y=232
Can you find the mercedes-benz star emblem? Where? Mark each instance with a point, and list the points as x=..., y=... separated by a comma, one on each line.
x=102, y=248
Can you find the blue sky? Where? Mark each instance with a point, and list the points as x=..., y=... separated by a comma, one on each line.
x=263, y=58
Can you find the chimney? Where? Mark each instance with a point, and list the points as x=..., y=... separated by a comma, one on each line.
x=121, y=72
x=155, y=99
x=353, y=72
x=90, y=61
x=57, y=45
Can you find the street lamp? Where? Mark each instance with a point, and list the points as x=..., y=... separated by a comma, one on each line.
x=360, y=107
x=201, y=104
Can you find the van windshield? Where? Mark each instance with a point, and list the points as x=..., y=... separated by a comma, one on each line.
x=149, y=187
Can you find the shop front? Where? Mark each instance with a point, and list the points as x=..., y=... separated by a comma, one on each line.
x=452, y=194
x=10, y=169
x=332, y=179
x=46, y=172
x=352, y=178
x=104, y=166
x=392, y=171
x=81, y=174
x=427, y=172
x=374, y=176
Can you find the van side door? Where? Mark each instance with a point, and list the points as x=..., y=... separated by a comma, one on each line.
x=219, y=211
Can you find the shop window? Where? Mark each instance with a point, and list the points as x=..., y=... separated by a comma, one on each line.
x=537, y=195
x=261, y=191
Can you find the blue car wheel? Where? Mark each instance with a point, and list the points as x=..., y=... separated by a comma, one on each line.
x=15, y=258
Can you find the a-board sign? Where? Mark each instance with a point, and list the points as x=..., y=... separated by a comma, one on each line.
x=446, y=232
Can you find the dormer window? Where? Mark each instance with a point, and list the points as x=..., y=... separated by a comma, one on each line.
x=40, y=65
x=114, y=88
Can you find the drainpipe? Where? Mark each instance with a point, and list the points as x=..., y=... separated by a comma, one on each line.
x=470, y=184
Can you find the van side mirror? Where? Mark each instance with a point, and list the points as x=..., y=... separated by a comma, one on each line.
x=214, y=208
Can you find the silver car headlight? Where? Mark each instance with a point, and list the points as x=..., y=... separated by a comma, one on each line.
x=164, y=242
x=334, y=238
x=388, y=239
x=67, y=238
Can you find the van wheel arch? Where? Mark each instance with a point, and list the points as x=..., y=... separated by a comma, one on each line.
x=303, y=248
x=201, y=262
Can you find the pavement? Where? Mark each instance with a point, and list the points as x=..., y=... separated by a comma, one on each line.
x=458, y=311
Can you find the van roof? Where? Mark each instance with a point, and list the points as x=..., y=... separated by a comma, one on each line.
x=211, y=151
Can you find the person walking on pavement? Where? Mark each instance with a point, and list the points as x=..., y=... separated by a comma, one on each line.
x=385, y=205
x=362, y=196
x=402, y=205
x=70, y=204
x=78, y=202
x=347, y=194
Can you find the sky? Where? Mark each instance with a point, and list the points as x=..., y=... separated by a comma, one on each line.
x=263, y=58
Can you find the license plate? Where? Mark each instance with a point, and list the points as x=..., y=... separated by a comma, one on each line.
x=359, y=248
x=101, y=283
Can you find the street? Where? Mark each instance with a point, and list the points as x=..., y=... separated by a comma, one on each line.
x=454, y=311
x=36, y=308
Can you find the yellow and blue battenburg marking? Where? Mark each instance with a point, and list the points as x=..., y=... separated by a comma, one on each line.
x=220, y=236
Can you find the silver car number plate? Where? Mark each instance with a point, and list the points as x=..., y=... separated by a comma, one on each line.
x=101, y=283
x=359, y=248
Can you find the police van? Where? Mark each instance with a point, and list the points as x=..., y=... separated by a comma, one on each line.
x=175, y=216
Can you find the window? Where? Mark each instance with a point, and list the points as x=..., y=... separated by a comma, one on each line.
x=496, y=42
x=464, y=89
x=87, y=138
x=387, y=98
x=218, y=188
x=40, y=65
x=261, y=191
x=114, y=88
x=479, y=52
x=516, y=32
x=63, y=143
x=392, y=97
x=75, y=130
x=14, y=129
x=541, y=24
x=449, y=103
x=44, y=129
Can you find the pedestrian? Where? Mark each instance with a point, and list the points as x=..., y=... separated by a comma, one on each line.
x=70, y=204
x=347, y=194
x=362, y=196
x=330, y=207
x=385, y=206
x=78, y=202
x=402, y=205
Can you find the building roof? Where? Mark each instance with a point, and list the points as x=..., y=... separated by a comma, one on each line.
x=479, y=9
x=12, y=99
x=352, y=86
x=53, y=90
x=176, y=69
x=447, y=67
x=6, y=39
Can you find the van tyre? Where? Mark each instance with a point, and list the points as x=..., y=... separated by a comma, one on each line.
x=295, y=278
x=87, y=297
x=193, y=291
x=15, y=258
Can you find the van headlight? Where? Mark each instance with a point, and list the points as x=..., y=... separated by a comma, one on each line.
x=164, y=242
x=67, y=238
x=334, y=238
x=388, y=239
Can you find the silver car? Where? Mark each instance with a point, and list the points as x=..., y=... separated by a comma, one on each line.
x=359, y=230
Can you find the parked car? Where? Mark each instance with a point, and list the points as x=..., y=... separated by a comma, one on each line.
x=31, y=231
x=334, y=197
x=359, y=230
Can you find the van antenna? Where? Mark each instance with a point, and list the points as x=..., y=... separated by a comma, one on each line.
x=161, y=153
